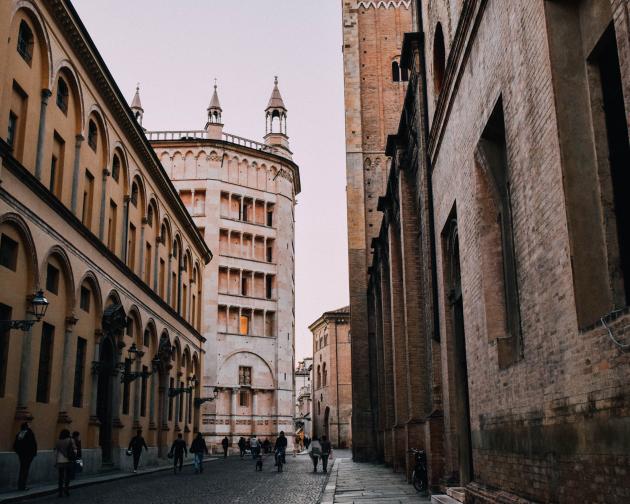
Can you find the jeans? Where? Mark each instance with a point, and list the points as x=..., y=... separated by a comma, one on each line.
x=64, y=477
x=25, y=465
x=325, y=461
x=198, y=462
x=136, y=459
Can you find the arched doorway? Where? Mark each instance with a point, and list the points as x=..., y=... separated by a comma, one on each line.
x=104, y=402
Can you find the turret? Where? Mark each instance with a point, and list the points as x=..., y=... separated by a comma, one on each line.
x=276, y=123
x=136, y=106
x=214, y=126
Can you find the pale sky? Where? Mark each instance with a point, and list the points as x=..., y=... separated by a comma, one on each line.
x=175, y=49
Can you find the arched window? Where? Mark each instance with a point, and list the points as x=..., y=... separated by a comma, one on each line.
x=134, y=194
x=92, y=135
x=319, y=408
x=25, y=42
x=439, y=59
x=150, y=216
x=116, y=168
x=395, y=71
x=324, y=375
x=62, y=95
x=319, y=377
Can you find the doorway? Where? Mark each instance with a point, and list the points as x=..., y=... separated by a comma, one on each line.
x=104, y=407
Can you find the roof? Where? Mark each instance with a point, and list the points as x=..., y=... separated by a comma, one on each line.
x=276, y=98
x=214, y=102
x=136, y=103
x=339, y=314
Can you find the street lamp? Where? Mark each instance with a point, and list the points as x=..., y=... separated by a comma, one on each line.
x=39, y=305
x=127, y=375
x=200, y=400
x=175, y=391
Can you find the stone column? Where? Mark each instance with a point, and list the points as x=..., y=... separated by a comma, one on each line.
x=41, y=135
x=142, y=250
x=22, y=412
x=67, y=373
x=155, y=261
x=116, y=395
x=101, y=220
x=180, y=268
x=94, y=388
x=168, y=280
x=254, y=409
x=75, y=173
x=177, y=402
x=153, y=385
x=233, y=409
x=136, y=395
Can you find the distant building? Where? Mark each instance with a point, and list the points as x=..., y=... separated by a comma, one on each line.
x=241, y=195
x=303, y=386
x=332, y=382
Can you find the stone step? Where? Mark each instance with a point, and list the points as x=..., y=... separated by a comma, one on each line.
x=443, y=499
x=456, y=493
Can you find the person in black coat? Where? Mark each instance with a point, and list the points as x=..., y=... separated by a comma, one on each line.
x=178, y=449
x=225, y=443
x=25, y=446
x=135, y=445
x=199, y=449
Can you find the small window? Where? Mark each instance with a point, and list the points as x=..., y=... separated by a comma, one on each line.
x=12, y=129
x=53, y=175
x=269, y=254
x=8, y=252
x=269, y=218
x=244, y=325
x=45, y=363
x=269, y=287
x=395, y=71
x=244, y=375
x=52, y=279
x=92, y=135
x=85, y=299
x=244, y=398
x=25, y=42
x=79, y=373
x=62, y=95
x=134, y=194
x=116, y=169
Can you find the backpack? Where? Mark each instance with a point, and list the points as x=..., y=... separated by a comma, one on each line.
x=316, y=451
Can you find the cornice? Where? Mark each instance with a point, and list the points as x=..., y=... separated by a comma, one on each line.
x=79, y=39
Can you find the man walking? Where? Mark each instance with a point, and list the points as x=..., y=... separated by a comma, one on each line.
x=178, y=449
x=225, y=443
x=326, y=452
x=25, y=446
x=199, y=448
x=241, y=446
x=135, y=445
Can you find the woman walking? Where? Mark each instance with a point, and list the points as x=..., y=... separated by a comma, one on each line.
x=65, y=455
x=315, y=451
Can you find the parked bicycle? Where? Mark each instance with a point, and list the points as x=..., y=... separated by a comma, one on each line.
x=419, y=476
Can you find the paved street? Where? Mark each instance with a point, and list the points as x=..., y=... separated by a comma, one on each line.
x=223, y=481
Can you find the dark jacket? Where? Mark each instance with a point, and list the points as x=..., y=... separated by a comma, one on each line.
x=198, y=446
x=137, y=443
x=241, y=444
x=326, y=447
x=77, y=447
x=178, y=448
x=25, y=444
x=281, y=443
x=225, y=443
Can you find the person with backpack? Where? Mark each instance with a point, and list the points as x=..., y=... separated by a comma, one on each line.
x=225, y=443
x=65, y=455
x=25, y=446
x=135, y=446
x=198, y=448
x=315, y=451
x=326, y=452
x=178, y=450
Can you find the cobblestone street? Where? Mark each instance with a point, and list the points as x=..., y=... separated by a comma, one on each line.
x=223, y=481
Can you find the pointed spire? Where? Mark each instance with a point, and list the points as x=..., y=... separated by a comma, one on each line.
x=136, y=103
x=276, y=98
x=214, y=102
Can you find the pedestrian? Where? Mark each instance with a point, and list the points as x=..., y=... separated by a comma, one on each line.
x=178, y=449
x=65, y=455
x=198, y=448
x=255, y=446
x=241, y=446
x=25, y=446
x=135, y=446
x=266, y=445
x=326, y=452
x=280, y=448
x=225, y=443
x=315, y=451
x=78, y=461
x=307, y=442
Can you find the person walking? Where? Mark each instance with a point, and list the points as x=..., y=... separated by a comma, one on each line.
x=73, y=468
x=65, y=455
x=225, y=443
x=280, y=448
x=241, y=446
x=326, y=452
x=307, y=442
x=179, y=449
x=25, y=446
x=198, y=448
x=315, y=451
x=255, y=446
x=135, y=445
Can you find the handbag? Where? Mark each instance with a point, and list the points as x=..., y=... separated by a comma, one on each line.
x=129, y=452
x=78, y=465
x=170, y=454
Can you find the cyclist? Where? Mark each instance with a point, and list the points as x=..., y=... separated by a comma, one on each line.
x=281, y=447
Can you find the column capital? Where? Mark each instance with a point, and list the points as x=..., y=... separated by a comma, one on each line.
x=106, y=173
x=46, y=94
x=79, y=139
x=71, y=321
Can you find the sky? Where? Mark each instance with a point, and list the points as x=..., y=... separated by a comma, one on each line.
x=176, y=48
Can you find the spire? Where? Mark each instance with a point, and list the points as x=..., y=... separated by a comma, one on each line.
x=136, y=106
x=214, y=126
x=276, y=102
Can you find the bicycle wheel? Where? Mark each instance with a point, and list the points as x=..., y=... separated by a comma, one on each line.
x=419, y=482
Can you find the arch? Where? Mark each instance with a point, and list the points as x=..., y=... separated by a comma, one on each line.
x=166, y=238
x=138, y=179
x=60, y=254
x=244, y=351
x=96, y=113
x=152, y=329
x=66, y=69
x=120, y=151
x=134, y=313
x=16, y=221
x=395, y=71
x=154, y=207
x=439, y=59
x=90, y=278
x=32, y=12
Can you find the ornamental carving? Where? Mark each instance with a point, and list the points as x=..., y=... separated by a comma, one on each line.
x=386, y=4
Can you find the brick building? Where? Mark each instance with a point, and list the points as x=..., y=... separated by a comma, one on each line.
x=498, y=289
x=332, y=378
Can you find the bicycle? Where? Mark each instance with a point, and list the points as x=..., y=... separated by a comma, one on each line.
x=419, y=477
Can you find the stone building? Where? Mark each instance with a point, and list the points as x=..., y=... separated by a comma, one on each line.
x=332, y=377
x=375, y=88
x=241, y=195
x=498, y=328
x=303, y=398
x=88, y=216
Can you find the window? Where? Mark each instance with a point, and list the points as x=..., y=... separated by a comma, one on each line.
x=244, y=325
x=88, y=200
x=244, y=285
x=131, y=247
x=8, y=252
x=244, y=398
x=395, y=71
x=150, y=216
x=53, y=174
x=161, y=278
x=112, y=225
x=52, y=279
x=439, y=59
x=79, y=373
x=56, y=166
x=143, y=392
x=126, y=390
x=244, y=375
x=319, y=377
x=45, y=363
x=116, y=168
x=62, y=95
x=92, y=135
x=129, y=327
x=324, y=375
x=25, y=42
x=12, y=130
x=147, y=264
x=269, y=218
x=134, y=194
x=269, y=286
x=146, y=338
x=84, y=302
x=269, y=253
x=325, y=339
x=5, y=314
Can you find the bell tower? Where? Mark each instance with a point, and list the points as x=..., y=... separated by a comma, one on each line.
x=214, y=126
x=136, y=106
x=276, y=123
